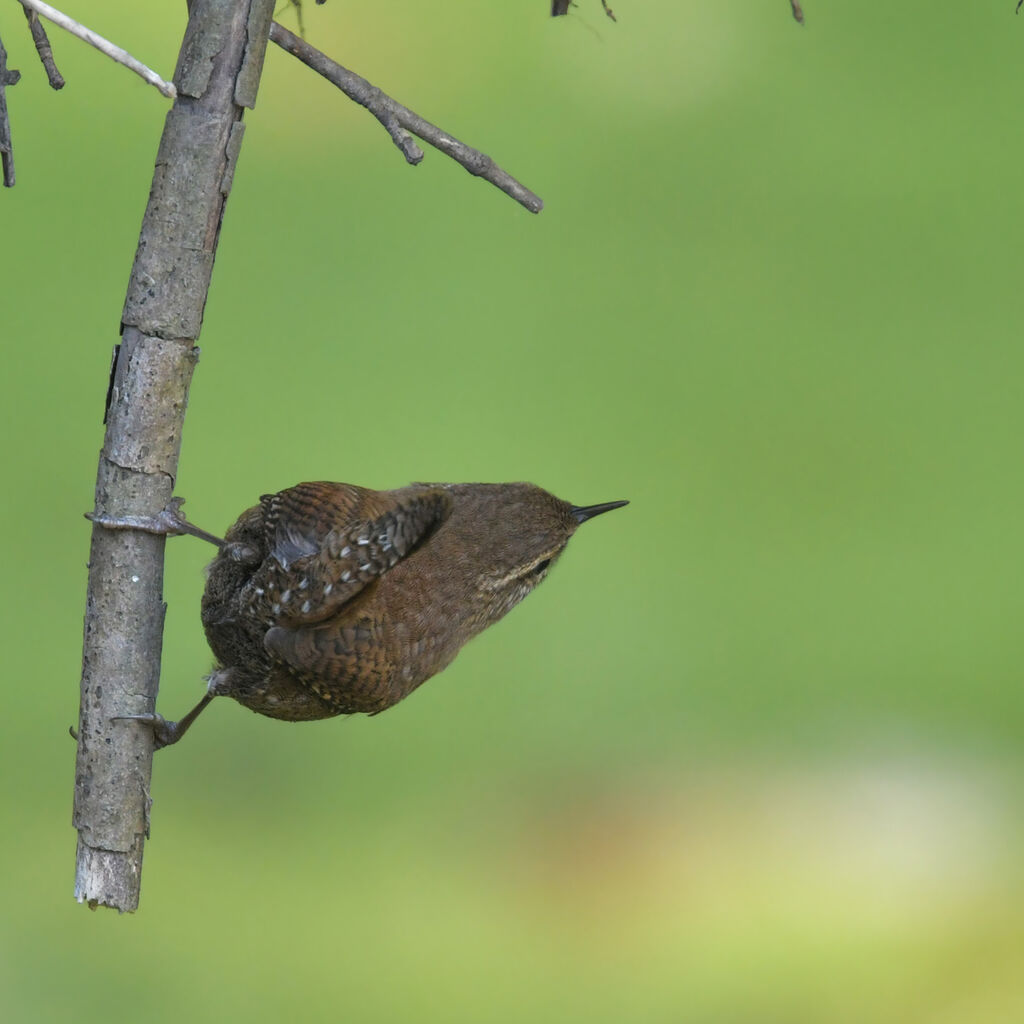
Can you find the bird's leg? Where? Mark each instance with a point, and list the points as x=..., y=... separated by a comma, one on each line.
x=170, y=522
x=165, y=733
x=218, y=683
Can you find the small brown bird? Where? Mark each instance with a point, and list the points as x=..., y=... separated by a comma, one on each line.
x=329, y=599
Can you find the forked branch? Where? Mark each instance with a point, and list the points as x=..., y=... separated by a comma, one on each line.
x=400, y=121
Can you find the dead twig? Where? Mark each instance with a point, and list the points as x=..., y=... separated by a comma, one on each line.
x=39, y=37
x=112, y=50
x=559, y=8
x=6, y=152
x=400, y=121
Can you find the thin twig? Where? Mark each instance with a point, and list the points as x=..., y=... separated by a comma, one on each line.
x=798, y=11
x=561, y=7
x=6, y=152
x=39, y=37
x=113, y=51
x=399, y=121
x=43, y=48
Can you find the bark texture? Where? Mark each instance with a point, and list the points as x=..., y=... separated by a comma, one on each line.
x=217, y=76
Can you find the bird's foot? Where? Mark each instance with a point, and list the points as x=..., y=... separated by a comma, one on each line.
x=168, y=522
x=164, y=733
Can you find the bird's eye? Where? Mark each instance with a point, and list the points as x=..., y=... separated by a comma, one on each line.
x=541, y=566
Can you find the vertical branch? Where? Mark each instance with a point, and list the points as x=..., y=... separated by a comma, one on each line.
x=6, y=151
x=217, y=75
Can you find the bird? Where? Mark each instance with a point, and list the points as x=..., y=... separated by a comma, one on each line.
x=331, y=599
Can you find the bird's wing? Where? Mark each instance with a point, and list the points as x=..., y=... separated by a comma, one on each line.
x=327, y=541
x=341, y=664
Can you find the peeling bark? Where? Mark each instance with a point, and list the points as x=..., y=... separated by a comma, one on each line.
x=217, y=76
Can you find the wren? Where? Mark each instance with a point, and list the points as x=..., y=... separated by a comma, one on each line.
x=329, y=599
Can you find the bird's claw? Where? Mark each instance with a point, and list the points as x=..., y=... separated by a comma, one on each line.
x=168, y=522
x=164, y=733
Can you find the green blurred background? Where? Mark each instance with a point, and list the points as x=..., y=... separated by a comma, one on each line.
x=753, y=752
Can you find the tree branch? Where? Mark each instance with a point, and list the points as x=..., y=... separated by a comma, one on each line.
x=218, y=73
x=112, y=50
x=399, y=121
x=43, y=48
x=6, y=152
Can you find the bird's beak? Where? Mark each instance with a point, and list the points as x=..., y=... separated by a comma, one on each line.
x=582, y=513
